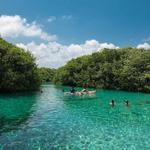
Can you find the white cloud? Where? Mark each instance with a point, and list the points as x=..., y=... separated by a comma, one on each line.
x=144, y=46
x=15, y=26
x=51, y=19
x=49, y=53
x=54, y=54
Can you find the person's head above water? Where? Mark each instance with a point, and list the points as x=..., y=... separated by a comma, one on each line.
x=112, y=103
x=72, y=90
x=127, y=103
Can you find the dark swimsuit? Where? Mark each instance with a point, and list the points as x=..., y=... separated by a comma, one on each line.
x=72, y=90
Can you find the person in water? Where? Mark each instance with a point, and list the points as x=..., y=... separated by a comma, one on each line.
x=72, y=90
x=84, y=90
x=112, y=103
x=127, y=103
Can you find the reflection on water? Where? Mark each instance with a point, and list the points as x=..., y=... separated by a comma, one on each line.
x=79, y=97
x=52, y=120
x=15, y=109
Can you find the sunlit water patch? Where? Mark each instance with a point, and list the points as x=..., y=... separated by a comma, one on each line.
x=52, y=120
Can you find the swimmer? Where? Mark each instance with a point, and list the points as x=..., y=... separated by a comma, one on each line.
x=112, y=103
x=127, y=103
x=72, y=90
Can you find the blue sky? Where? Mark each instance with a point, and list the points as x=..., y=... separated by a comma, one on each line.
x=121, y=22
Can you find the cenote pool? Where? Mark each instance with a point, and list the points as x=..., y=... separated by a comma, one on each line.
x=52, y=120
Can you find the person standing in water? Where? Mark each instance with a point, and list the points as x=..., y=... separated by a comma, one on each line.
x=72, y=90
x=112, y=103
x=127, y=103
x=84, y=88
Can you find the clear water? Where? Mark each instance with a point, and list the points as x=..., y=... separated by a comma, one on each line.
x=51, y=120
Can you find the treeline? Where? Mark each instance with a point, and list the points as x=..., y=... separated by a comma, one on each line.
x=46, y=74
x=121, y=69
x=18, y=71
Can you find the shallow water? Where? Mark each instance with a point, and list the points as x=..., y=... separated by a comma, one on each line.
x=52, y=120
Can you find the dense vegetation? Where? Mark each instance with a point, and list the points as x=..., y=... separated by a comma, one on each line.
x=46, y=74
x=18, y=71
x=122, y=69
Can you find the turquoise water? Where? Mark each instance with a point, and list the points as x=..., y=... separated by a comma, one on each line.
x=52, y=120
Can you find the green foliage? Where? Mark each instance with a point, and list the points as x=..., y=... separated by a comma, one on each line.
x=18, y=71
x=123, y=69
x=46, y=74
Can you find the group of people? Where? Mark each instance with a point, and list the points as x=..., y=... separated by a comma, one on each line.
x=72, y=90
x=84, y=90
x=112, y=103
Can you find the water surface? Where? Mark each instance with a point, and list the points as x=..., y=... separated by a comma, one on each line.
x=52, y=120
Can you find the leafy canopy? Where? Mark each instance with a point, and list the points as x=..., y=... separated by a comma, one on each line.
x=123, y=69
x=18, y=71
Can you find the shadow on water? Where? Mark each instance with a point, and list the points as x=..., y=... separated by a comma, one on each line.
x=15, y=109
x=79, y=97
